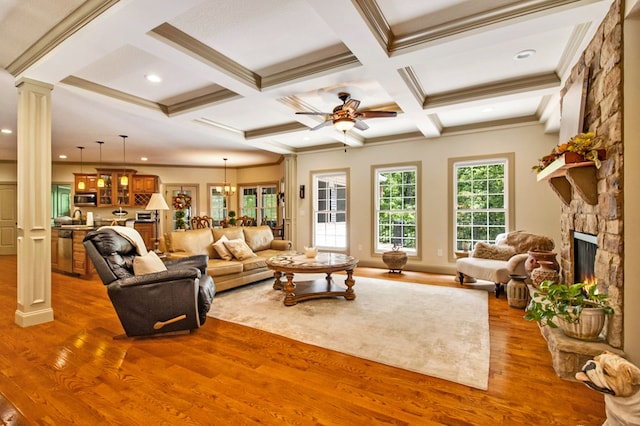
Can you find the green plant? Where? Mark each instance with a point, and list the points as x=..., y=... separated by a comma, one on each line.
x=181, y=223
x=232, y=218
x=565, y=302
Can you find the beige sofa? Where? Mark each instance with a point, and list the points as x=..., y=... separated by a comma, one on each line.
x=228, y=273
x=497, y=262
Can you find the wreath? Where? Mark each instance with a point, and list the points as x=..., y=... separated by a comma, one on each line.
x=181, y=201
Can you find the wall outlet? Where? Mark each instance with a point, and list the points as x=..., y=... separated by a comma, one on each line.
x=439, y=252
x=359, y=247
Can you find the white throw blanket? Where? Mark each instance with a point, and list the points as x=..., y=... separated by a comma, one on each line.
x=131, y=235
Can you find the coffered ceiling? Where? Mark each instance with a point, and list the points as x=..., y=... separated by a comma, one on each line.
x=234, y=73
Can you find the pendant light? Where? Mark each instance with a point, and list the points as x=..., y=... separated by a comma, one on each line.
x=81, y=184
x=226, y=189
x=100, y=182
x=124, y=179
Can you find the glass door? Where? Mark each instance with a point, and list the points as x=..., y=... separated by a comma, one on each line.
x=182, y=202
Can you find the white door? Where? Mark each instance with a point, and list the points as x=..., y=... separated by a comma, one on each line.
x=8, y=219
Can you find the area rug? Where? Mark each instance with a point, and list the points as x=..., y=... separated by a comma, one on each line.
x=437, y=331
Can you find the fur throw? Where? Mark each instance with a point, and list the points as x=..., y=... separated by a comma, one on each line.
x=523, y=242
x=493, y=251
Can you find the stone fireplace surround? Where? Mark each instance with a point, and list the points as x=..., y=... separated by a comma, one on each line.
x=602, y=59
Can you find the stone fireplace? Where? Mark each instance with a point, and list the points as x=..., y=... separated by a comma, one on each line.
x=585, y=247
x=598, y=219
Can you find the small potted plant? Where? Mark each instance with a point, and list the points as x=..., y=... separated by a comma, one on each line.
x=232, y=218
x=181, y=223
x=579, y=309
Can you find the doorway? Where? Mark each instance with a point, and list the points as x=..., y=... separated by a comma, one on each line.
x=176, y=196
x=8, y=219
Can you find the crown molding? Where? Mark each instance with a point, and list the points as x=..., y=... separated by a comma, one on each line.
x=274, y=130
x=373, y=16
x=202, y=101
x=180, y=40
x=84, y=14
x=493, y=90
x=333, y=63
x=112, y=93
x=394, y=43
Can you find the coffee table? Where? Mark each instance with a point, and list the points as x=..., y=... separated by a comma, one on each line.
x=297, y=263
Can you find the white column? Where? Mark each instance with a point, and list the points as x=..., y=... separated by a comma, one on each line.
x=34, y=203
x=291, y=197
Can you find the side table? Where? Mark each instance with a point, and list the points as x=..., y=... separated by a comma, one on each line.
x=467, y=278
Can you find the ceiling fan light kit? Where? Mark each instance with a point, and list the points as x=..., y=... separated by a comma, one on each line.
x=346, y=116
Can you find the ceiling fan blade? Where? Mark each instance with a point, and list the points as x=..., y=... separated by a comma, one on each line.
x=376, y=114
x=361, y=125
x=351, y=104
x=313, y=113
x=321, y=125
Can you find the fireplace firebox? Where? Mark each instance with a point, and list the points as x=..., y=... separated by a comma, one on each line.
x=584, y=256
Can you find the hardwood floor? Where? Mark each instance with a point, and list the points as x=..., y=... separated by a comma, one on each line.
x=72, y=371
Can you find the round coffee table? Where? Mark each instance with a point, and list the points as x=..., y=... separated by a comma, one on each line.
x=297, y=263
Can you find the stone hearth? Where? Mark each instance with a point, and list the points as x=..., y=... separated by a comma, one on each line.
x=602, y=61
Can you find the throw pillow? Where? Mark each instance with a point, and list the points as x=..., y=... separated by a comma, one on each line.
x=493, y=251
x=221, y=249
x=148, y=264
x=239, y=249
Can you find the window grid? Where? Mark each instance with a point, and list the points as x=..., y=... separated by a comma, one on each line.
x=330, y=211
x=396, y=209
x=260, y=203
x=218, y=207
x=480, y=202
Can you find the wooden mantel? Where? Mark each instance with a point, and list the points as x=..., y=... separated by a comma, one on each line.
x=572, y=171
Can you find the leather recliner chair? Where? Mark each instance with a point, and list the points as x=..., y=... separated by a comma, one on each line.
x=174, y=300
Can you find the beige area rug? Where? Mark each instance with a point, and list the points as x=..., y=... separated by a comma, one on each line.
x=437, y=331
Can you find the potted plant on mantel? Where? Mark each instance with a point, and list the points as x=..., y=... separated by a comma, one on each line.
x=581, y=147
x=579, y=309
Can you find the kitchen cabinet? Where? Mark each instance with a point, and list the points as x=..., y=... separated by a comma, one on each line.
x=90, y=182
x=82, y=265
x=143, y=186
x=136, y=193
x=147, y=232
x=54, y=249
x=114, y=194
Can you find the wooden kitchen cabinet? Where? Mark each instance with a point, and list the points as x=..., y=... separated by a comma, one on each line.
x=90, y=182
x=54, y=249
x=147, y=232
x=143, y=186
x=82, y=265
x=136, y=194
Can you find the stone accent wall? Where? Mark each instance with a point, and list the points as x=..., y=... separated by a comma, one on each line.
x=602, y=59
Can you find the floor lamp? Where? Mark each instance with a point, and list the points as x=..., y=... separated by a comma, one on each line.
x=156, y=203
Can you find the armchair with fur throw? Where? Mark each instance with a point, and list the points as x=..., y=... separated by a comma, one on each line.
x=497, y=262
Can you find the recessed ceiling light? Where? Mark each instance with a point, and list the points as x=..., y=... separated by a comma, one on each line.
x=62, y=156
x=6, y=131
x=524, y=54
x=154, y=78
x=143, y=158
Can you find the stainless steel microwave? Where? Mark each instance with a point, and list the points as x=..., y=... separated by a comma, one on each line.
x=85, y=199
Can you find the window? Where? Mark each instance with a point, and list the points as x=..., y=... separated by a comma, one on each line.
x=260, y=203
x=396, y=208
x=217, y=205
x=330, y=210
x=481, y=200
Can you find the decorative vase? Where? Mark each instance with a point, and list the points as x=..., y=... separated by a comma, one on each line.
x=517, y=291
x=588, y=327
x=544, y=272
x=395, y=259
x=535, y=256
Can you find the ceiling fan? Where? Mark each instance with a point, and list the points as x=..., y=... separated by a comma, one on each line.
x=347, y=116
